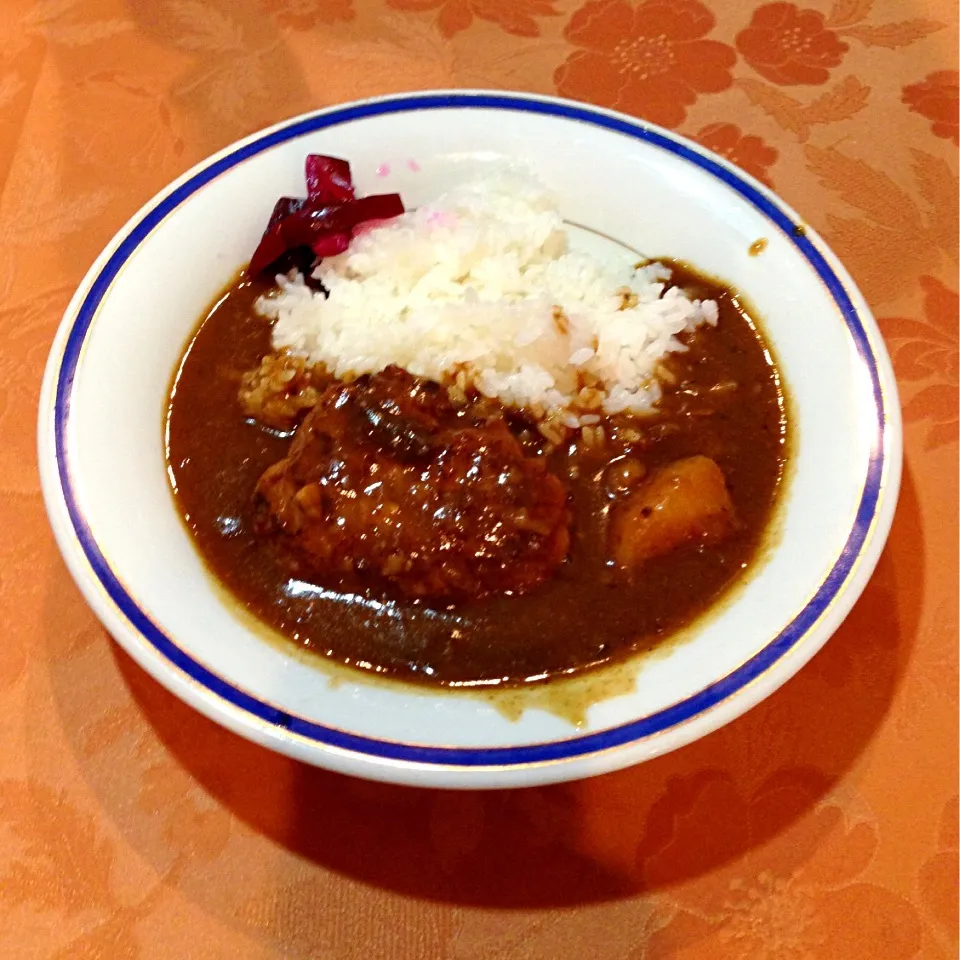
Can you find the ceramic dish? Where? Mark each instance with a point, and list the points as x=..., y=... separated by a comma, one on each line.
x=106, y=385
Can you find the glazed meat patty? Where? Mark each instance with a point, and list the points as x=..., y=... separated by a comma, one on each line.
x=387, y=476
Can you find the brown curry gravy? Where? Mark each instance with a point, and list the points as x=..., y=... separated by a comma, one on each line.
x=584, y=617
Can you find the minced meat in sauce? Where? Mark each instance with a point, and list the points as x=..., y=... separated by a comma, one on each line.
x=389, y=527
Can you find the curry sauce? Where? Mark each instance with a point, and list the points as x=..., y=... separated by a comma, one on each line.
x=722, y=400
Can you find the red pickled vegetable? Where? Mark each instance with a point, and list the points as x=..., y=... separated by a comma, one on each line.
x=331, y=244
x=325, y=220
x=328, y=179
x=272, y=245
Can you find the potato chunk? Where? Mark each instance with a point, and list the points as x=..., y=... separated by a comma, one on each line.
x=681, y=502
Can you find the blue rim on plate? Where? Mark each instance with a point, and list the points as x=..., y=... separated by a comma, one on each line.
x=514, y=756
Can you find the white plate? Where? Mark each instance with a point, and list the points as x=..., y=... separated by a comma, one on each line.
x=106, y=489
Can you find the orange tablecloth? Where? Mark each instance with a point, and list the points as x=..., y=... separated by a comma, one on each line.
x=821, y=825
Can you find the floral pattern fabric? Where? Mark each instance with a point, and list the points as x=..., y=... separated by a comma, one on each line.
x=822, y=825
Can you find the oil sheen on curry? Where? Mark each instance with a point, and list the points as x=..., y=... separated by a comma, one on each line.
x=383, y=525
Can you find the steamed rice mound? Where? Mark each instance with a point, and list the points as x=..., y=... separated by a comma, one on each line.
x=480, y=287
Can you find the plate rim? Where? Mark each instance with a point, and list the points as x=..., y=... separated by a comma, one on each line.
x=771, y=666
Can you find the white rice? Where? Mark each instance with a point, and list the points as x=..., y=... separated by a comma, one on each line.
x=484, y=280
